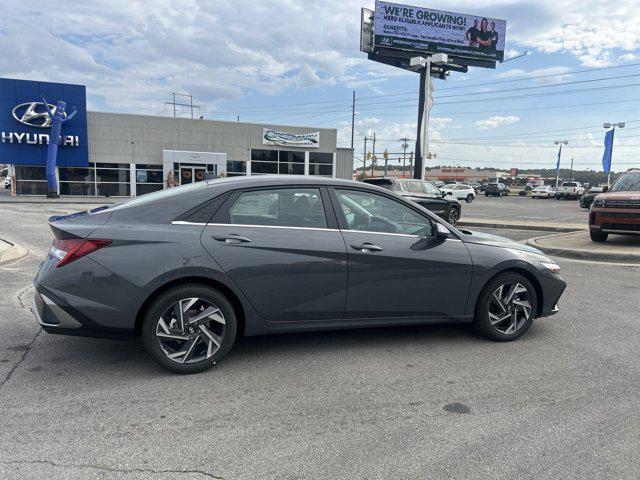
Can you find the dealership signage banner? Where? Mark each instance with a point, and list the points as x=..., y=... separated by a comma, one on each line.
x=25, y=125
x=425, y=30
x=284, y=139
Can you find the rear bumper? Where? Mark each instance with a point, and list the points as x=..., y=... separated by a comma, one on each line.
x=56, y=316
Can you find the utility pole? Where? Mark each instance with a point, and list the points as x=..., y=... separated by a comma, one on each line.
x=404, y=153
x=364, y=156
x=373, y=159
x=571, y=171
x=353, y=117
x=386, y=161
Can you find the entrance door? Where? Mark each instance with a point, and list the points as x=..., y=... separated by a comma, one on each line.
x=192, y=174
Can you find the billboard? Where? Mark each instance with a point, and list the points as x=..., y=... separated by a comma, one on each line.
x=25, y=126
x=425, y=30
x=274, y=137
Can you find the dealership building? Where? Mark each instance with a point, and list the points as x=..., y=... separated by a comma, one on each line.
x=113, y=154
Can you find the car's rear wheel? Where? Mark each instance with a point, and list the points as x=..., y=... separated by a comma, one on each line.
x=469, y=198
x=453, y=216
x=506, y=307
x=597, y=236
x=189, y=328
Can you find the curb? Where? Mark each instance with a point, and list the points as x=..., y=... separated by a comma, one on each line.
x=543, y=228
x=614, y=257
x=14, y=252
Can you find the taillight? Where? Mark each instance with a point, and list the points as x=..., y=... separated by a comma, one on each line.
x=72, y=249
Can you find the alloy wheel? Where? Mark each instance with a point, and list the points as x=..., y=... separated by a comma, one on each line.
x=509, y=307
x=453, y=216
x=190, y=330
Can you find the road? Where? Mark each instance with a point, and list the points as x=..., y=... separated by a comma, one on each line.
x=524, y=209
x=418, y=402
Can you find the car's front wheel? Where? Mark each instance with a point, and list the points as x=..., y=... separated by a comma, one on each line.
x=469, y=198
x=597, y=236
x=506, y=307
x=189, y=328
x=453, y=216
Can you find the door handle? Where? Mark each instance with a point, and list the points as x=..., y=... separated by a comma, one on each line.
x=231, y=239
x=367, y=247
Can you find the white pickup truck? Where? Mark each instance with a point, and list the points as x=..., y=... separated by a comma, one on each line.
x=569, y=190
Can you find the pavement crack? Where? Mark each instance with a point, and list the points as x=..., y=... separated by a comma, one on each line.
x=109, y=469
x=21, y=360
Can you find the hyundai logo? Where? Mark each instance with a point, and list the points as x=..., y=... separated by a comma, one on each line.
x=33, y=114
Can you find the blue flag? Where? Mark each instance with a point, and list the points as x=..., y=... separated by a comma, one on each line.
x=608, y=149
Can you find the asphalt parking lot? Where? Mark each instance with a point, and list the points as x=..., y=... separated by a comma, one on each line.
x=414, y=402
x=539, y=210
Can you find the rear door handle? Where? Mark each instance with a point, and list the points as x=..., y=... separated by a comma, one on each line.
x=231, y=239
x=367, y=247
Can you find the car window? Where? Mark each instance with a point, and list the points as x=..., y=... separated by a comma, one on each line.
x=413, y=186
x=284, y=207
x=569, y=184
x=431, y=188
x=371, y=212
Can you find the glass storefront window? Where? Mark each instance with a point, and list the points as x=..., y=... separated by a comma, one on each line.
x=30, y=172
x=77, y=188
x=318, y=157
x=326, y=170
x=76, y=174
x=236, y=167
x=31, y=188
x=143, y=188
x=108, y=175
x=287, y=156
x=291, y=168
x=113, y=189
x=264, y=155
x=264, y=167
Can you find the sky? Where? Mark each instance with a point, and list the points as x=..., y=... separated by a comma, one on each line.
x=294, y=62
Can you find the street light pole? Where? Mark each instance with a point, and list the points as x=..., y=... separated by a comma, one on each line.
x=607, y=125
x=559, y=142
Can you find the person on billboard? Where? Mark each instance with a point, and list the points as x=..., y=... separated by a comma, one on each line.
x=472, y=34
x=484, y=36
x=494, y=36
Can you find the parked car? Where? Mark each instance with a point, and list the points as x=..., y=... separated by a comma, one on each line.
x=525, y=191
x=192, y=268
x=543, y=191
x=617, y=209
x=586, y=200
x=439, y=184
x=460, y=191
x=7, y=182
x=424, y=193
x=496, y=190
x=569, y=190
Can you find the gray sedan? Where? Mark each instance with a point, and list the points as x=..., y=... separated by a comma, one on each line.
x=192, y=268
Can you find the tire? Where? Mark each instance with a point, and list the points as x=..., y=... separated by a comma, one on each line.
x=488, y=326
x=201, y=357
x=469, y=198
x=597, y=236
x=558, y=197
x=453, y=215
x=486, y=194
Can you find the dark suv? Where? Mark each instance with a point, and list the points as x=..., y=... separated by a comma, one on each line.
x=496, y=190
x=424, y=193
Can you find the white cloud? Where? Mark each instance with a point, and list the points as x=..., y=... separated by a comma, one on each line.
x=628, y=57
x=496, y=121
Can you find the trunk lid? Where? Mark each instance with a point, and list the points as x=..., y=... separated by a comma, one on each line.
x=78, y=224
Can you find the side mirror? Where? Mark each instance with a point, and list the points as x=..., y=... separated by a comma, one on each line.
x=605, y=189
x=442, y=232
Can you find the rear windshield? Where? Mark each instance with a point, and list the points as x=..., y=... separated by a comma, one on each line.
x=159, y=195
x=569, y=184
x=380, y=182
x=628, y=182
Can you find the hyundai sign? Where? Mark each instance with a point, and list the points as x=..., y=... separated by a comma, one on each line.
x=25, y=125
x=425, y=30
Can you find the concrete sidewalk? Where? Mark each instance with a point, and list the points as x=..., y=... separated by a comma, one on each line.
x=618, y=248
x=524, y=225
x=10, y=251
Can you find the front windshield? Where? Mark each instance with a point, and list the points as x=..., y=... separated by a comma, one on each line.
x=628, y=182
